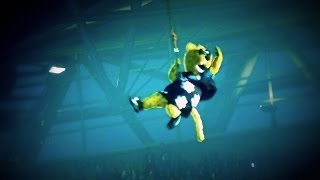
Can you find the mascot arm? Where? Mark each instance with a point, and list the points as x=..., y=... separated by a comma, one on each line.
x=216, y=64
x=174, y=70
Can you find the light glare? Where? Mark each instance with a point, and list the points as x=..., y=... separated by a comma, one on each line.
x=56, y=70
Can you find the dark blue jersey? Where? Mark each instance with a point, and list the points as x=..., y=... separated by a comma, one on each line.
x=205, y=81
x=189, y=89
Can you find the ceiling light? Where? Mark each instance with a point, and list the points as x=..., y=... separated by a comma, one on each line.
x=56, y=69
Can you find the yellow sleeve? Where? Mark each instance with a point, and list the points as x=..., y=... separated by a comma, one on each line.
x=174, y=70
x=216, y=64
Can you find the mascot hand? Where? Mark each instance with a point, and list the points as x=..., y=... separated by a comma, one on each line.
x=174, y=70
x=175, y=65
x=177, y=62
x=218, y=51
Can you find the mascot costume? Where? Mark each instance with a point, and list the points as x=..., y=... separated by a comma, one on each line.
x=181, y=97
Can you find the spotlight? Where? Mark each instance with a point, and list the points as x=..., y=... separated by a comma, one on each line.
x=56, y=69
x=252, y=164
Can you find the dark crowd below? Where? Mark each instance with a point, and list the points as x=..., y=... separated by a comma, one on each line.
x=271, y=154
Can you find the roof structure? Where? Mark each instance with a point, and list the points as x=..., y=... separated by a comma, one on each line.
x=115, y=49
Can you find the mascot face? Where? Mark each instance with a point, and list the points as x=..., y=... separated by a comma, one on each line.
x=197, y=59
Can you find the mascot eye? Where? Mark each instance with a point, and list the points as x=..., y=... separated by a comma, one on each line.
x=206, y=53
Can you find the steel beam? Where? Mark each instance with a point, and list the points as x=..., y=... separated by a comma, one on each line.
x=112, y=94
x=45, y=111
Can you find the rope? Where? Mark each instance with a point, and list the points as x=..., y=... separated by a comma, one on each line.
x=174, y=36
x=169, y=14
x=174, y=39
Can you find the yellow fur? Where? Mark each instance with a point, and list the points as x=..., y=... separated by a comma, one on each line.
x=172, y=111
x=174, y=70
x=156, y=100
x=198, y=124
x=192, y=58
x=216, y=64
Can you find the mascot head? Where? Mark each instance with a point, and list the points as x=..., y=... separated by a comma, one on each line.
x=197, y=58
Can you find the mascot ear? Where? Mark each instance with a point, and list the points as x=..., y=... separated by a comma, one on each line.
x=190, y=46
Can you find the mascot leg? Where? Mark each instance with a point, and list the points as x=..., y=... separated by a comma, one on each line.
x=198, y=124
x=174, y=112
x=156, y=100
